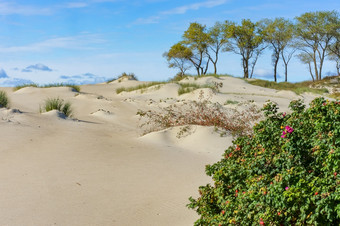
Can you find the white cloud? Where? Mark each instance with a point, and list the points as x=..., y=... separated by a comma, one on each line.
x=180, y=10
x=39, y=67
x=9, y=8
x=194, y=6
x=87, y=78
x=72, y=5
x=79, y=42
x=149, y=20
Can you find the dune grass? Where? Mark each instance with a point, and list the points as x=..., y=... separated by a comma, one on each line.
x=139, y=87
x=4, y=102
x=57, y=104
x=74, y=87
x=129, y=76
x=297, y=88
x=189, y=87
x=24, y=86
x=335, y=95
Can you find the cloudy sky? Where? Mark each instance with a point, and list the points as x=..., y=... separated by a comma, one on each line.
x=89, y=41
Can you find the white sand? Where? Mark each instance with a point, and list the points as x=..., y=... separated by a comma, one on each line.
x=97, y=169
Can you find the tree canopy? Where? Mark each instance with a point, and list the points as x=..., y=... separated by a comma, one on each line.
x=314, y=36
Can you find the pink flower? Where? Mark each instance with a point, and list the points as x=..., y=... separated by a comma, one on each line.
x=261, y=221
x=287, y=188
x=288, y=129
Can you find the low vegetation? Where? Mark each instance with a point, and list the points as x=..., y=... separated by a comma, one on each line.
x=75, y=88
x=57, y=104
x=203, y=113
x=129, y=76
x=297, y=88
x=286, y=173
x=4, y=102
x=189, y=87
x=139, y=87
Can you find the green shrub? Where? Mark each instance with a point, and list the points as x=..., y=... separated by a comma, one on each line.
x=287, y=173
x=4, y=102
x=58, y=104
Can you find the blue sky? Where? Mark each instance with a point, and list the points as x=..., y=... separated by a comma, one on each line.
x=89, y=41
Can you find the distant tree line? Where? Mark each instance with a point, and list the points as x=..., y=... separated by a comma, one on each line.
x=312, y=37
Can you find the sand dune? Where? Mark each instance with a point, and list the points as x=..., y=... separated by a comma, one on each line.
x=97, y=169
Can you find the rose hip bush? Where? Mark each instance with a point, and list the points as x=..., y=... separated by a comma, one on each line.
x=287, y=173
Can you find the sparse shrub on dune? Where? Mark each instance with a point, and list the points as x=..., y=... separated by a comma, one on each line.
x=57, y=104
x=286, y=173
x=203, y=113
x=129, y=76
x=4, y=102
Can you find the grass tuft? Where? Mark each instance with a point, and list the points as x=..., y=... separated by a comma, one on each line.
x=75, y=88
x=129, y=76
x=189, y=87
x=59, y=105
x=4, y=102
x=297, y=88
x=139, y=87
x=24, y=86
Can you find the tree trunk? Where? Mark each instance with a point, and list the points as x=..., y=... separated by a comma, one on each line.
x=275, y=68
x=206, y=67
x=215, y=63
x=310, y=71
x=286, y=72
x=198, y=71
x=245, y=68
x=315, y=68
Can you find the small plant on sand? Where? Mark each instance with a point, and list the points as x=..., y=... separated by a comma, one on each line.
x=287, y=173
x=57, y=104
x=203, y=113
x=4, y=102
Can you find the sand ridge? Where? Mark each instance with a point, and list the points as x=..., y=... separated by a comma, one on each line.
x=97, y=169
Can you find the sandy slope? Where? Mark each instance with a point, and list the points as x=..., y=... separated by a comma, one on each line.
x=97, y=169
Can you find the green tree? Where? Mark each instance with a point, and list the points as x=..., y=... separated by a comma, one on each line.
x=336, y=59
x=307, y=59
x=246, y=40
x=334, y=52
x=196, y=39
x=217, y=40
x=278, y=33
x=179, y=57
x=316, y=32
